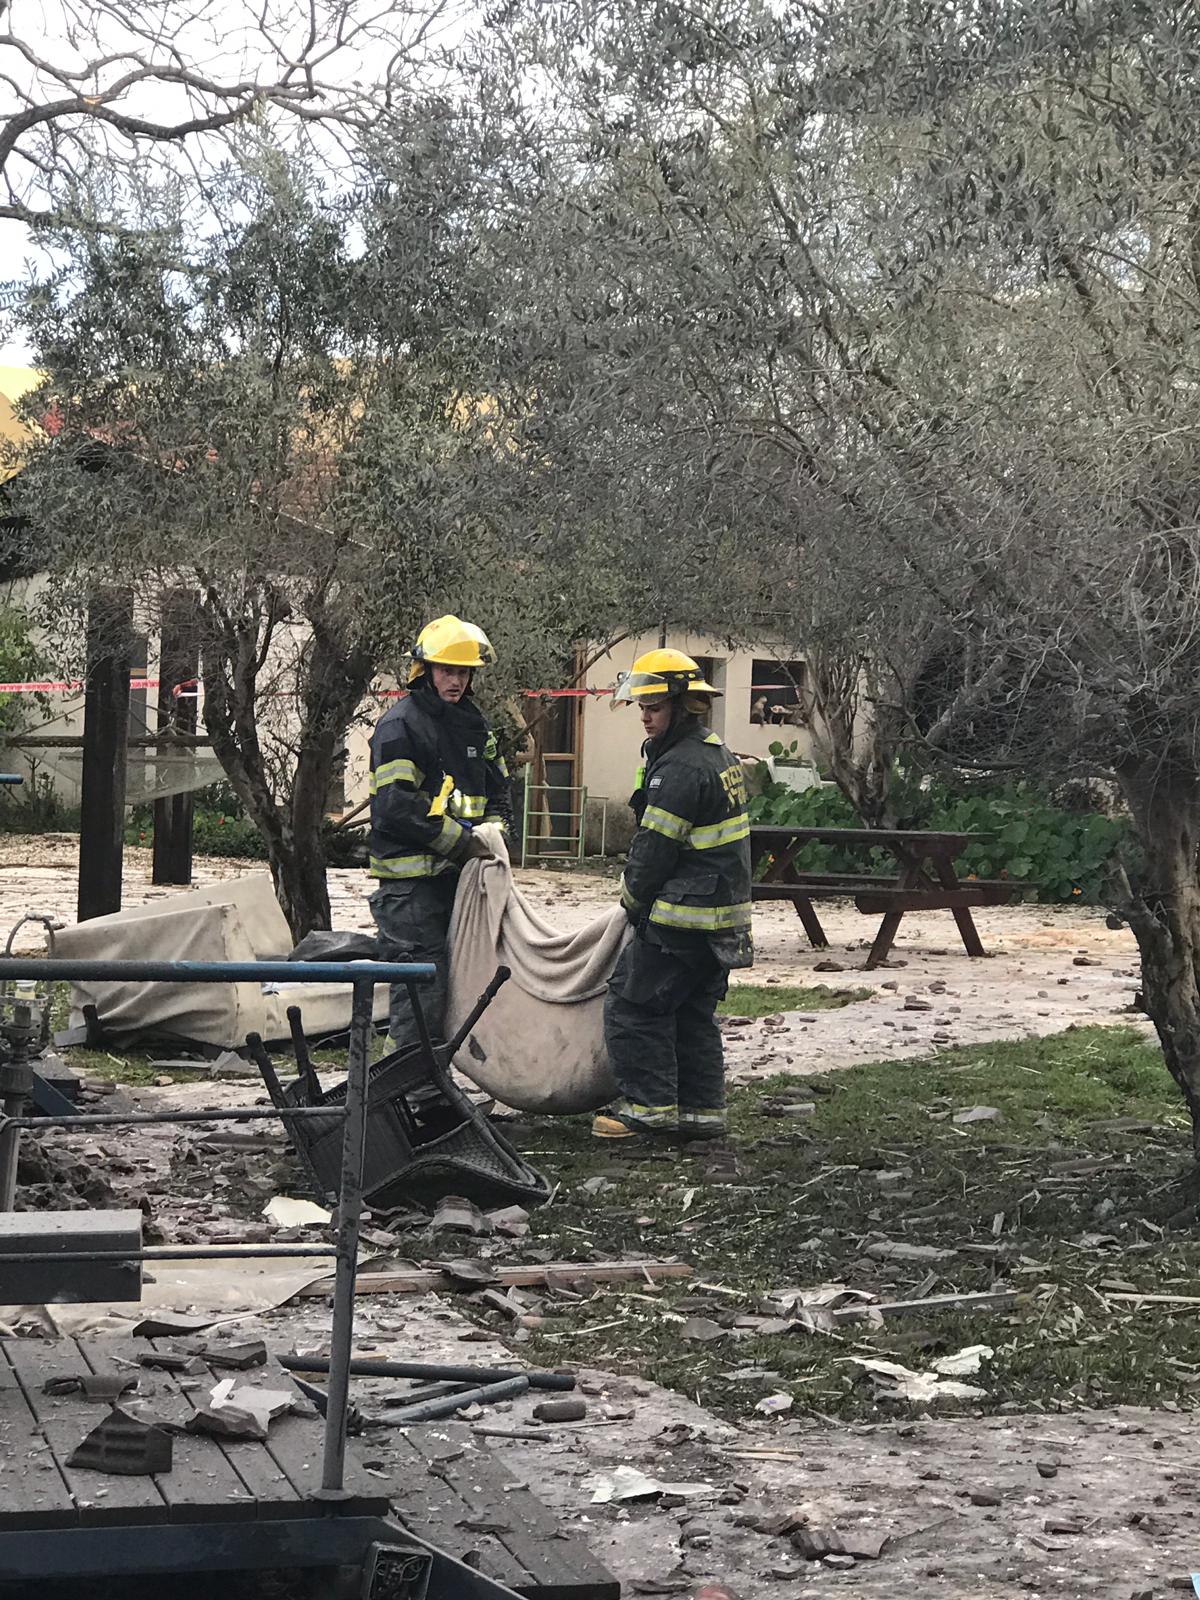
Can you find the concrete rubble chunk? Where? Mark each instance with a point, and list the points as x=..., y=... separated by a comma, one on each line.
x=456, y=1214
x=237, y=1357
x=124, y=1445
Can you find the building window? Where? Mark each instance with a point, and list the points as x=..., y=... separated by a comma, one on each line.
x=714, y=673
x=777, y=693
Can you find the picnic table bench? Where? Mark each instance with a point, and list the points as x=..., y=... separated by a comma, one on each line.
x=925, y=880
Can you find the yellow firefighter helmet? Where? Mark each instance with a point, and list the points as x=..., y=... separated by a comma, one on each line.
x=661, y=674
x=450, y=642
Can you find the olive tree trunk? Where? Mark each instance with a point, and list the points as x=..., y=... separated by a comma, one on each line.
x=1163, y=909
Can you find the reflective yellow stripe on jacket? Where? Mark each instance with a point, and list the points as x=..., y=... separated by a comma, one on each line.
x=704, y=919
x=666, y=823
x=706, y=837
x=396, y=772
x=414, y=866
x=714, y=833
x=470, y=807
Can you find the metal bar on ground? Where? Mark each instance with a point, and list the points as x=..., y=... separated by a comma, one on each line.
x=354, y=1149
x=366, y=1367
x=447, y=1405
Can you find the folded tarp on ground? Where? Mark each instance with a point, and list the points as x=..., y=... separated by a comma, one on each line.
x=239, y=920
x=540, y=1044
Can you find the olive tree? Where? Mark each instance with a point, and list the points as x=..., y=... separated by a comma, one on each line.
x=916, y=290
x=291, y=420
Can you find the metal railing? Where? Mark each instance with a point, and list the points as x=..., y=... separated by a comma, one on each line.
x=575, y=817
x=362, y=976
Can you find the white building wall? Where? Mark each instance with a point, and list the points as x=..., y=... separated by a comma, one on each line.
x=612, y=739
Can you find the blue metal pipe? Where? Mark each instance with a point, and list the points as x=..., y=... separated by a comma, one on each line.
x=290, y=972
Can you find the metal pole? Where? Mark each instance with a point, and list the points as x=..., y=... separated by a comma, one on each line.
x=366, y=1367
x=16, y=1086
x=354, y=1144
x=170, y=1252
x=431, y=1410
x=144, y=1119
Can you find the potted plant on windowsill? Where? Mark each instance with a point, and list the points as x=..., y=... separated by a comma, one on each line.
x=792, y=769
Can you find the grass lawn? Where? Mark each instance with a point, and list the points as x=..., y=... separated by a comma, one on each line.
x=1067, y=1198
x=761, y=1000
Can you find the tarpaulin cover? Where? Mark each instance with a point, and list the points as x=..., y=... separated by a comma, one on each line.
x=540, y=1044
x=239, y=920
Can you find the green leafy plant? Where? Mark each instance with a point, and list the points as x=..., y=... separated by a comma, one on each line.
x=1062, y=855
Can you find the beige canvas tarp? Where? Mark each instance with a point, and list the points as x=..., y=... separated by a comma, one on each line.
x=239, y=920
x=540, y=1044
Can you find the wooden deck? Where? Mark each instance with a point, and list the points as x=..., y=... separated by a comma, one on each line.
x=435, y=1480
x=211, y=1480
x=460, y=1497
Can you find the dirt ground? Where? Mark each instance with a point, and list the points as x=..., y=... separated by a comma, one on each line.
x=1028, y=985
x=962, y=1501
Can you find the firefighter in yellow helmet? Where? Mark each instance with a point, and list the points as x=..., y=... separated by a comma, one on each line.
x=686, y=890
x=435, y=773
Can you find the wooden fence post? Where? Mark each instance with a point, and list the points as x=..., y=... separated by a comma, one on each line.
x=178, y=663
x=105, y=744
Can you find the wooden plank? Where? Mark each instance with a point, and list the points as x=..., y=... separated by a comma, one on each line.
x=66, y=1420
x=559, y=1567
x=986, y=1300
x=420, y=1281
x=887, y=900
x=201, y=1485
x=431, y=1507
x=296, y=1446
x=867, y=838
x=801, y=882
x=33, y=1490
x=263, y=1481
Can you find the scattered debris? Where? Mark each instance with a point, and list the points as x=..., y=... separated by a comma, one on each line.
x=243, y=1412
x=238, y=1357
x=628, y=1483
x=179, y=1361
x=512, y=1221
x=468, y=1271
x=773, y=1405
x=285, y=1213
x=702, y=1330
x=1064, y=1525
x=902, y=1383
x=456, y=1214
x=898, y=1250
x=560, y=1411
x=123, y=1444
x=977, y=1114
x=424, y=1281
x=963, y=1363
x=93, y=1385
x=821, y=1544
x=1047, y=1469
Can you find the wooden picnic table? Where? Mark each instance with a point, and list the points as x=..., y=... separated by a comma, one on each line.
x=925, y=880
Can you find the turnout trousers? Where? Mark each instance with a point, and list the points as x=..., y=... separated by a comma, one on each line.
x=413, y=918
x=663, y=1039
